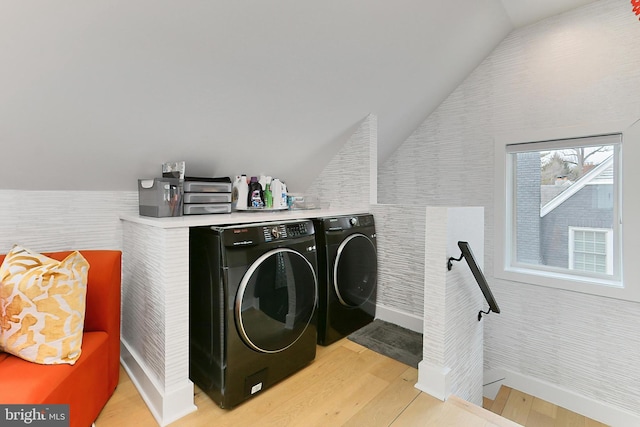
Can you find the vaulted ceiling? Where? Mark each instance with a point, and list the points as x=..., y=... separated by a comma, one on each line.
x=96, y=95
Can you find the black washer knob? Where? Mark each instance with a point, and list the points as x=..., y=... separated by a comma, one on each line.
x=275, y=232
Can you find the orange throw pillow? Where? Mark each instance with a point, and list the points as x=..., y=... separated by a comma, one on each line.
x=42, y=306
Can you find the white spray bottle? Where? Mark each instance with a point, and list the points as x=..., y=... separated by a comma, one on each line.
x=276, y=190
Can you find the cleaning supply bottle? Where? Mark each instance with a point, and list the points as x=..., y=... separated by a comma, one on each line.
x=234, y=192
x=284, y=199
x=255, y=198
x=240, y=192
x=276, y=192
x=268, y=197
x=263, y=179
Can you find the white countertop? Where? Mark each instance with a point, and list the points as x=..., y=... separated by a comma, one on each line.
x=238, y=217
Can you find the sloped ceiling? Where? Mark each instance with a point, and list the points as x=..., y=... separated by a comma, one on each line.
x=97, y=94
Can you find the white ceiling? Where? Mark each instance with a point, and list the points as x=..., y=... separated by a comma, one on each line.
x=98, y=94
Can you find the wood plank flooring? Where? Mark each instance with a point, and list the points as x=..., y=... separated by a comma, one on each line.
x=346, y=385
x=531, y=411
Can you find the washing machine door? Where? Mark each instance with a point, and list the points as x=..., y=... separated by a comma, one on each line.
x=276, y=300
x=355, y=271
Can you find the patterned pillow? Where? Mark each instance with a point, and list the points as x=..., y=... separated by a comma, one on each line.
x=42, y=305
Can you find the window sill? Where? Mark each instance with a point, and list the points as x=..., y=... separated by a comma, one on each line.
x=585, y=285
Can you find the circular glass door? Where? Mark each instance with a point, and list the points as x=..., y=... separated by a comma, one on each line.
x=355, y=273
x=276, y=300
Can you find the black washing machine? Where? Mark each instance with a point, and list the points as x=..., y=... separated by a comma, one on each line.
x=347, y=275
x=252, y=306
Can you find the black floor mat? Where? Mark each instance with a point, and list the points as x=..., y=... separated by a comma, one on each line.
x=391, y=340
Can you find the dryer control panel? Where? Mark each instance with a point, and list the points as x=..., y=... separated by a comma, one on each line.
x=347, y=222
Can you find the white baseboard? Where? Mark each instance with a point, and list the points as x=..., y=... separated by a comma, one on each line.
x=568, y=399
x=434, y=380
x=166, y=406
x=400, y=318
x=492, y=380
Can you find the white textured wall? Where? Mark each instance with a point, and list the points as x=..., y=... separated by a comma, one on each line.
x=63, y=220
x=400, y=238
x=580, y=67
x=152, y=286
x=452, y=336
x=349, y=179
x=464, y=334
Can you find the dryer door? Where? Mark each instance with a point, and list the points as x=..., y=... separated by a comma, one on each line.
x=276, y=300
x=355, y=272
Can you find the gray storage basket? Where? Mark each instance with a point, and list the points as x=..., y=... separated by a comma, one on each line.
x=160, y=197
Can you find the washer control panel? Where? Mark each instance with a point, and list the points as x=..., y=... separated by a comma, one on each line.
x=255, y=234
x=299, y=229
x=283, y=231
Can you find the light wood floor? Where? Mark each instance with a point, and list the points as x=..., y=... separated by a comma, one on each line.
x=346, y=385
x=534, y=412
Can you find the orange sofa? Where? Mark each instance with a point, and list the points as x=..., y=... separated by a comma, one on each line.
x=88, y=384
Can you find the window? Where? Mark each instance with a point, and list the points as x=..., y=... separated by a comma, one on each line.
x=532, y=256
x=558, y=215
x=558, y=187
x=591, y=250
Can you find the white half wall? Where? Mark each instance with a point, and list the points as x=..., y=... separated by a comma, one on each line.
x=453, y=336
x=155, y=318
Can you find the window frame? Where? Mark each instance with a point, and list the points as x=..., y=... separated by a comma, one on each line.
x=627, y=285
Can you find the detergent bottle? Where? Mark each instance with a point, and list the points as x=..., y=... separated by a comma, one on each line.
x=276, y=191
x=240, y=193
x=255, y=198
x=284, y=200
x=268, y=197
